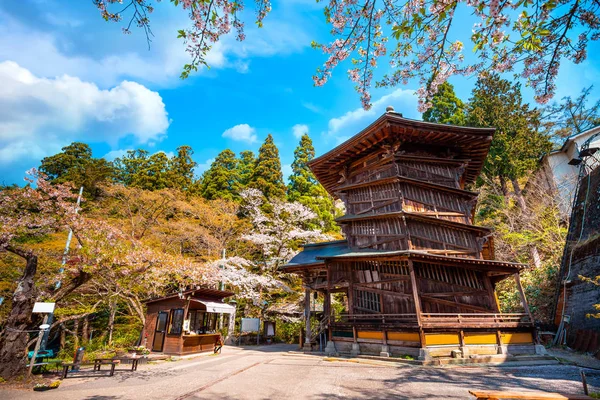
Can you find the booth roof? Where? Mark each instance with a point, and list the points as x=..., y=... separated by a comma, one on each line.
x=197, y=293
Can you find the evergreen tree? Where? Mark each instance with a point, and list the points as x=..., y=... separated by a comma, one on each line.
x=302, y=180
x=246, y=166
x=221, y=180
x=130, y=165
x=447, y=108
x=76, y=165
x=518, y=143
x=267, y=176
x=182, y=168
x=305, y=189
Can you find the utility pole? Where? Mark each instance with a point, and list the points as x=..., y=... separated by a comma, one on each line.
x=222, y=287
x=58, y=284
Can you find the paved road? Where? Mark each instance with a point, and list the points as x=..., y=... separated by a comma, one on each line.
x=270, y=372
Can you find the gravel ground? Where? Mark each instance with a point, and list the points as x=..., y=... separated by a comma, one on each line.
x=270, y=372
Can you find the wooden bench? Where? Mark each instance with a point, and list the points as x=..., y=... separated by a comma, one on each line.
x=498, y=394
x=134, y=361
x=96, y=363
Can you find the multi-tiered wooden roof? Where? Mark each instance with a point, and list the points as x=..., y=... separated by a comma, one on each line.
x=412, y=255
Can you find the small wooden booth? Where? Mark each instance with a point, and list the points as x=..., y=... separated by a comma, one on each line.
x=187, y=322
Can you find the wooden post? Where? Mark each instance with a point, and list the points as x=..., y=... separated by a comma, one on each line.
x=584, y=382
x=492, y=293
x=307, y=333
x=523, y=298
x=415, y=290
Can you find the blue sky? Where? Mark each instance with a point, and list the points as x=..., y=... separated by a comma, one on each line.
x=67, y=75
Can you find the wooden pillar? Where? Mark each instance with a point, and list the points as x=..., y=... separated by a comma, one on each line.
x=523, y=298
x=491, y=293
x=307, y=331
x=415, y=290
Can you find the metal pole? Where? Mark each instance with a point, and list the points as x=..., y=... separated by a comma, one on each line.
x=61, y=271
x=37, y=345
x=221, y=287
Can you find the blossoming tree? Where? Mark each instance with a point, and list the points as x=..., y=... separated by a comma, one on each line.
x=529, y=37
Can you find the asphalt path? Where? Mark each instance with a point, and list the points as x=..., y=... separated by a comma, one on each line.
x=272, y=372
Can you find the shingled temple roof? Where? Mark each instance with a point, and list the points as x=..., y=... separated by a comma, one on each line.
x=469, y=144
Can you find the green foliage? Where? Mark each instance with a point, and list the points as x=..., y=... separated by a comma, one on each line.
x=76, y=165
x=518, y=144
x=305, y=189
x=267, y=176
x=446, y=107
x=288, y=332
x=246, y=165
x=221, y=180
x=139, y=169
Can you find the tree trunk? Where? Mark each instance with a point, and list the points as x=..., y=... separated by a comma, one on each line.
x=504, y=188
x=85, y=330
x=533, y=251
x=63, y=337
x=13, y=341
x=76, y=334
x=112, y=305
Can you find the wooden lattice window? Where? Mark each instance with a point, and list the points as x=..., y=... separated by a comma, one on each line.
x=367, y=301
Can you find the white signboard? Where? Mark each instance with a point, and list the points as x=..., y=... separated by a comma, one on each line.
x=250, y=324
x=43, y=308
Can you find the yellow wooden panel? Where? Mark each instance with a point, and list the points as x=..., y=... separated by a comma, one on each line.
x=480, y=338
x=404, y=336
x=517, y=338
x=370, y=335
x=441, y=339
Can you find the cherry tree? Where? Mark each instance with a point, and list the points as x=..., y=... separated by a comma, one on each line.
x=528, y=37
x=28, y=213
x=279, y=233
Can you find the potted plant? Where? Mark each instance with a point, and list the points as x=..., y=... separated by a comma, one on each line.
x=140, y=350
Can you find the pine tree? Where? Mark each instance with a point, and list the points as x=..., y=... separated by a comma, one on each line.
x=221, y=180
x=518, y=142
x=447, y=108
x=302, y=180
x=267, y=175
x=182, y=168
x=246, y=166
x=305, y=189
x=76, y=165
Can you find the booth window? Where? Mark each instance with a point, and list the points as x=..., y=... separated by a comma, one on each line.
x=176, y=325
x=196, y=321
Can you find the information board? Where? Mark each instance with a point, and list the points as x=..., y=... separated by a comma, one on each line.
x=250, y=324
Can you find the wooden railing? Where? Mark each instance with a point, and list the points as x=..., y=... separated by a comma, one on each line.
x=375, y=318
x=474, y=319
x=442, y=320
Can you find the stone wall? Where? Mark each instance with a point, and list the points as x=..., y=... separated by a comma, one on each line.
x=585, y=257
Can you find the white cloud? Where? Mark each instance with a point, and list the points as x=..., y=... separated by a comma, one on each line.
x=128, y=55
x=312, y=107
x=38, y=116
x=111, y=155
x=241, y=133
x=403, y=100
x=299, y=130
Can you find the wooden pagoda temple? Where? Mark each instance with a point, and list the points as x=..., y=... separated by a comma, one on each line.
x=414, y=275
